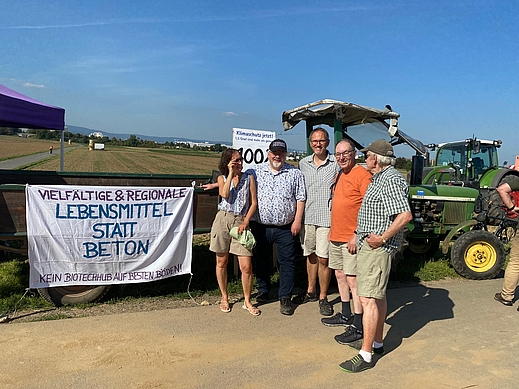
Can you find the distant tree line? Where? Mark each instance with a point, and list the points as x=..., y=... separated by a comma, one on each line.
x=132, y=141
x=403, y=163
x=9, y=131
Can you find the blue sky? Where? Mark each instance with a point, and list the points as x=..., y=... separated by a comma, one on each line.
x=199, y=68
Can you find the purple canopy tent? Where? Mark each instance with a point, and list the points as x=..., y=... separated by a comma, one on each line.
x=19, y=111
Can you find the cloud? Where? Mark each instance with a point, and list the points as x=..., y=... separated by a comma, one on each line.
x=256, y=15
x=79, y=25
x=229, y=113
x=29, y=85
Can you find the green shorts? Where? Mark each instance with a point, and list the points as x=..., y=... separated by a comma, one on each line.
x=373, y=267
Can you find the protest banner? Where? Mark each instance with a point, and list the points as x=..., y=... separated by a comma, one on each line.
x=98, y=235
x=252, y=144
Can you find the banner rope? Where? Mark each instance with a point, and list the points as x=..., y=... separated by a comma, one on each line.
x=188, y=292
x=8, y=317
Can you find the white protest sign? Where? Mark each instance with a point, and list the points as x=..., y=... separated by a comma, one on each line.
x=252, y=144
x=99, y=235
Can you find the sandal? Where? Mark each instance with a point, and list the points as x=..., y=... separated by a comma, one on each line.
x=252, y=310
x=224, y=306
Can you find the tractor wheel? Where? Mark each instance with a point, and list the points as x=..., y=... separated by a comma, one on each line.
x=70, y=295
x=478, y=255
x=496, y=210
x=420, y=246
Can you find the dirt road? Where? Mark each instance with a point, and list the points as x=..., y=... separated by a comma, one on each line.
x=448, y=334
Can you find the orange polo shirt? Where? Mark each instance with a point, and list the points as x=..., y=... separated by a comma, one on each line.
x=347, y=198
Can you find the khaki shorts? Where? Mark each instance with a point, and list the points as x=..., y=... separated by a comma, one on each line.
x=221, y=241
x=373, y=267
x=314, y=239
x=341, y=259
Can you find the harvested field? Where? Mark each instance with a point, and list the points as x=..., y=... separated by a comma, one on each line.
x=135, y=160
x=14, y=146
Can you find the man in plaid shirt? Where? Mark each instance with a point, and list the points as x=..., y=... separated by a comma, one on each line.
x=382, y=216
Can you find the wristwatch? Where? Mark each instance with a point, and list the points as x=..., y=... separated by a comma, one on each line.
x=383, y=239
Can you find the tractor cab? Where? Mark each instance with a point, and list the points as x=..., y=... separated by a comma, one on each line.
x=462, y=163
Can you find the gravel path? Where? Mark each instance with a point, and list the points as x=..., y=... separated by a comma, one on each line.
x=448, y=334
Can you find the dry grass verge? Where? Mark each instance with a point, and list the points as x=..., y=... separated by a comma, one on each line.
x=14, y=146
x=135, y=160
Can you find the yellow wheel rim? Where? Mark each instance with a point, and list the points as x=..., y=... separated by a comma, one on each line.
x=480, y=257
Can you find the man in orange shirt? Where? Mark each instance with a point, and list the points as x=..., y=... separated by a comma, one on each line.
x=348, y=191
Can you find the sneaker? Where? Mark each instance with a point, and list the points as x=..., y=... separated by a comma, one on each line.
x=357, y=345
x=500, y=298
x=356, y=364
x=304, y=298
x=337, y=320
x=285, y=306
x=350, y=335
x=262, y=297
x=325, y=308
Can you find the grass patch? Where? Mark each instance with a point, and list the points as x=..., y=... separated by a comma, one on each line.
x=14, y=279
x=54, y=316
x=416, y=268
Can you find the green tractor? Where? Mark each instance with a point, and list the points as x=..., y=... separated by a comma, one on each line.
x=445, y=199
x=472, y=163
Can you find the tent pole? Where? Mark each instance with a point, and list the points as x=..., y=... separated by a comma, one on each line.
x=62, y=149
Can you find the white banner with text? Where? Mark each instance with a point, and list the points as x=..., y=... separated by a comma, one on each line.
x=100, y=235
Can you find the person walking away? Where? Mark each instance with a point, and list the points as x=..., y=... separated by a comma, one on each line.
x=281, y=203
x=382, y=216
x=238, y=204
x=511, y=278
x=319, y=171
x=348, y=191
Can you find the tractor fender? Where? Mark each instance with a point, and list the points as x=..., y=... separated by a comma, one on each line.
x=446, y=242
x=498, y=177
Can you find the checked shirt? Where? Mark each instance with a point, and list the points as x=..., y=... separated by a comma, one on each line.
x=318, y=183
x=385, y=198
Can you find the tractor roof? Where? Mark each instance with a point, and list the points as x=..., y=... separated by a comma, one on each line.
x=327, y=111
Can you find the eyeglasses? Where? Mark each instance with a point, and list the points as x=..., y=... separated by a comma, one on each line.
x=318, y=141
x=344, y=153
x=238, y=159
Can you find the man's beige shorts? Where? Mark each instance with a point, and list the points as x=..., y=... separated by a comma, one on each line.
x=373, y=267
x=341, y=259
x=314, y=239
x=221, y=240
